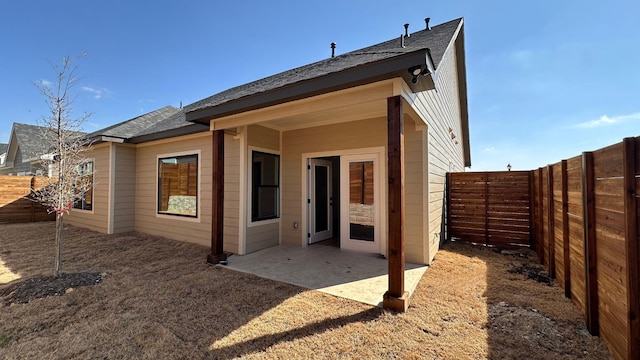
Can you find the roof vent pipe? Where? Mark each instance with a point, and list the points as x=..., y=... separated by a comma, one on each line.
x=402, y=40
x=406, y=30
x=427, y=23
x=333, y=49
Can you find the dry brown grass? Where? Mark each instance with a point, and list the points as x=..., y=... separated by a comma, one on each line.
x=159, y=299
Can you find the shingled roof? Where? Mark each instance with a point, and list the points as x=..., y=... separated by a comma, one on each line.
x=30, y=139
x=3, y=148
x=436, y=40
x=164, y=122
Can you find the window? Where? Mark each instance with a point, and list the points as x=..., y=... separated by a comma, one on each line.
x=178, y=185
x=265, y=186
x=85, y=198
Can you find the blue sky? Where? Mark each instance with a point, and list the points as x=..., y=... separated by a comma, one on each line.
x=546, y=79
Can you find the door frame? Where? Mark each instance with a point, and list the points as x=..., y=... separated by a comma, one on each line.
x=345, y=240
x=311, y=213
x=383, y=195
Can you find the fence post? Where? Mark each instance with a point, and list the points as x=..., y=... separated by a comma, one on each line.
x=448, y=207
x=591, y=260
x=630, y=169
x=486, y=209
x=32, y=188
x=532, y=243
x=541, y=217
x=565, y=230
x=550, y=223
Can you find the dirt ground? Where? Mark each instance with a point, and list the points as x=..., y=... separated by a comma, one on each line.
x=155, y=298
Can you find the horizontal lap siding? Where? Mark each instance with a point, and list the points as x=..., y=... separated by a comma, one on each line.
x=416, y=196
x=259, y=237
x=441, y=109
x=125, y=189
x=336, y=137
x=610, y=247
x=98, y=219
x=174, y=227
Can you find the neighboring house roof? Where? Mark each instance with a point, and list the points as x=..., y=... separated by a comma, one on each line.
x=164, y=122
x=378, y=62
x=32, y=141
x=3, y=148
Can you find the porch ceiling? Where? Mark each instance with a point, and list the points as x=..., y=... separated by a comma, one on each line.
x=357, y=103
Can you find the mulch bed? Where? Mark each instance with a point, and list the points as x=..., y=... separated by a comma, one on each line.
x=24, y=291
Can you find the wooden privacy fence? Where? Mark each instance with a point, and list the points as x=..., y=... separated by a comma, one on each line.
x=15, y=206
x=586, y=224
x=491, y=208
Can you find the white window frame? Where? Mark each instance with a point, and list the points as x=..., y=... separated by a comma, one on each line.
x=93, y=189
x=250, y=222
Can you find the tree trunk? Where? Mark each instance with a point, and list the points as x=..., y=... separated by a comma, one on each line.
x=59, y=233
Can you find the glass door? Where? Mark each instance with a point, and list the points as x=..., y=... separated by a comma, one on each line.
x=320, y=201
x=360, y=217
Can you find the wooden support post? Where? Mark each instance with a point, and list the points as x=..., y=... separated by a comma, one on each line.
x=532, y=243
x=565, y=229
x=541, y=217
x=448, y=206
x=630, y=169
x=591, y=260
x=486, y=208
x=551, y=231
x=395, y=298
x=217, y=204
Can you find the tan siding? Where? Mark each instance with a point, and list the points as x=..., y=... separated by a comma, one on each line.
x=343, y=136
x=262, y=137
x=173, y=227
x=125, y=189
x=98, y=219
x=231, y=194
x=415, y=195
x=442, y=111
x=263, y=236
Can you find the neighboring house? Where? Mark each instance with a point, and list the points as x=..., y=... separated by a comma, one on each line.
x=3, y=153
x=310, y=154
x=24, y=151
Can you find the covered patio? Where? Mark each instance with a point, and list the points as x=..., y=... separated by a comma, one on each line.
x=323, y=267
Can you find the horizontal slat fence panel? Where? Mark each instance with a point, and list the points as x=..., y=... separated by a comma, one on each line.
x=490, y=208
x=15, y=204
x=583, y=216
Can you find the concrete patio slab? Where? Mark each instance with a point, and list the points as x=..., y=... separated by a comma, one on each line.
x=356, y=276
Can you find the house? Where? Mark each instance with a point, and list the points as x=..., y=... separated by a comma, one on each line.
x=23, y=153
x=353, y=148
x=3, y=153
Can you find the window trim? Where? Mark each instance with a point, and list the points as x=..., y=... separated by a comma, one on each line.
x=249, y=202
x=182, y=217
x=93, y=188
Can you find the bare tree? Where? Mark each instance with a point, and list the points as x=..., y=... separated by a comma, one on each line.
x=63, y=144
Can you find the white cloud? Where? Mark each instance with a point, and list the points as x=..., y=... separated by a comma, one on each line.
x=605, y=120
x=97, y=93
x=490, y=149
x=46, y=83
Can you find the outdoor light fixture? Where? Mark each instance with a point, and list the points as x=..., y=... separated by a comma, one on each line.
x=415, y=71
x=509, y=167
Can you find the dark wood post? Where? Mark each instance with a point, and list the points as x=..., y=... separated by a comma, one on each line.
x=540, y=217
x=565, y=229
x=448, y=206
x=217, y=204
x=396, y=298
x=551, y=231
x=591, y=260
x=631, y=168
x=532, y=243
